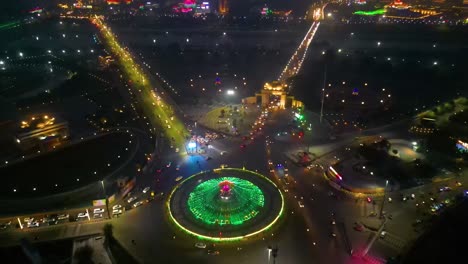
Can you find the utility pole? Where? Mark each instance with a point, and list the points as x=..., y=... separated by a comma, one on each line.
x=107, y=199
x=323, y=92
x=383, y=200
x=275, y=254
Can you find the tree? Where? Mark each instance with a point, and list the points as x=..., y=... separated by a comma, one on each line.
x=108, y=231
x=223, y=112
x=84, y=255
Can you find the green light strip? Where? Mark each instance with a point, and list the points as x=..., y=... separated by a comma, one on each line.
x=218, y=239
x=9, y=25
x=370, y=13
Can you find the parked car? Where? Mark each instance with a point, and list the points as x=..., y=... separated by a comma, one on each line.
x=97, y=216
x=359, y=227
x=117, y=206
x=33, y=224
x=82, y=215
x=63, y=216
x=116, y=212
x=213, y=252
x=145, y=190
x=98, y=210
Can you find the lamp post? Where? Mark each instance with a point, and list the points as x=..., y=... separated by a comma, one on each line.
x=269, y=253
x=107, y=200
x=383, y=200
x=323, y=93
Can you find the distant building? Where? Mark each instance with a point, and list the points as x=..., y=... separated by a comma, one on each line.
x=105, y=61
x=223, y=7
x=423, y=126
x=270, y=91
x=43, y=132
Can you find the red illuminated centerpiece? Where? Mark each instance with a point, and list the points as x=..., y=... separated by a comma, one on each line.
x=225, y=188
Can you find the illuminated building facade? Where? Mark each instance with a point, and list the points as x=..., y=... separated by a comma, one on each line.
x=272, y=91
x=41, y=132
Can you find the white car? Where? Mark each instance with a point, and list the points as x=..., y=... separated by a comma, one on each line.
x=178, y=178
x=97, y=216
x=145, y=190
x=117, y=206
x=82, y=215
x=137, y=204
x=200, y=245
x=33, y=224
x=98, y=210
x=131, y=199
x=117, y=212
x=382, y=234
x=63, y=216
x=301, y=204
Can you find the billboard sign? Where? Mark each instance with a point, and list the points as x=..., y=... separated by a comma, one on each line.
x=100, y=202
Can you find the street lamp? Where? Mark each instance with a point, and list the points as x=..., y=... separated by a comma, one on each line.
x=383, y=200
x=323, y=92
x=107, y=200
x=269, y=253
x=230, y=92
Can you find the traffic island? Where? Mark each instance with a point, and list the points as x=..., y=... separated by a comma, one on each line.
x=225, y=205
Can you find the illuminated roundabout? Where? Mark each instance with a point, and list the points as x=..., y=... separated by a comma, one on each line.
x=225, y=204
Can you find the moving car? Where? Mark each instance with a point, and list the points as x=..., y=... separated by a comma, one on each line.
x=178, y=178
x=200, y=245
x=382, y=234
x=117, y=206
x=131, y=199
x=145, y=190
x=137, y=204
x=301, y=204
x=28, y=219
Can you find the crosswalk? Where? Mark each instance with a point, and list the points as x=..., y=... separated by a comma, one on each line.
x=395, y=242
